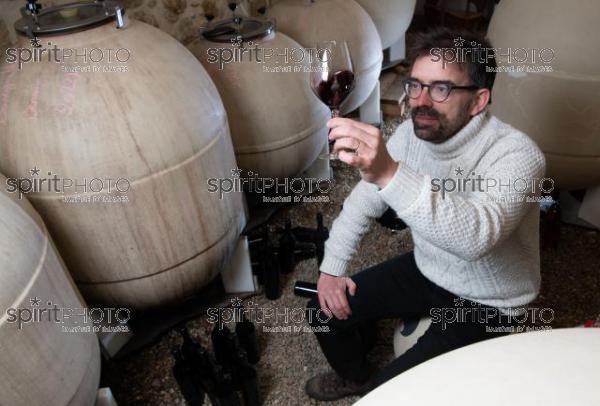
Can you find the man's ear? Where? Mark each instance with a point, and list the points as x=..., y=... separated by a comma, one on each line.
x=480, y=100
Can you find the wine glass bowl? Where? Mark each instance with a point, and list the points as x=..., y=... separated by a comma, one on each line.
x=335, y=89
x=332, y=75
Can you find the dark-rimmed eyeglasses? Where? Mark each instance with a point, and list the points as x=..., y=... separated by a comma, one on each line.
x=438, y=91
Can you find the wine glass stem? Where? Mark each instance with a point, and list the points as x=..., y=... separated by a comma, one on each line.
x=332, y=156
x=328, y=154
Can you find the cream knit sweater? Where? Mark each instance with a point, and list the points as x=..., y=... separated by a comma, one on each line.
x=480, y=242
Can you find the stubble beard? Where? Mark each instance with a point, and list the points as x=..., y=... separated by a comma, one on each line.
x=441, y=130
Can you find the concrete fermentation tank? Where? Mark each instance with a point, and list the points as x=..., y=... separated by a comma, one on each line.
x=278, y=125
x=133, y=135
x=550, y=87
x=391, y=17
x=312, y=22
x=40, y=363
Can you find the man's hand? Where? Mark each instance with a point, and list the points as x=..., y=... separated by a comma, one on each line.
x=332, y=295
x=361, y=145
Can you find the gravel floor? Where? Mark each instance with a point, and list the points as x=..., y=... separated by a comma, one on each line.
x=571, y=282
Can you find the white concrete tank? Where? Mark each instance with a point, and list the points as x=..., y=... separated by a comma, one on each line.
x=278, y=125
x=391, y=17
x=148, y=123
x=555, y=103
x=40, y=363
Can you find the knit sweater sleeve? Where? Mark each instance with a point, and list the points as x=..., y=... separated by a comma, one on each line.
x=469, y=225
x=362, y=206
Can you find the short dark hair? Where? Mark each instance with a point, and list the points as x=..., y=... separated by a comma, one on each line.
x=476, y=51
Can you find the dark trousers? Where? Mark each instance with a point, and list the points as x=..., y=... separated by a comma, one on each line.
x=397, y=289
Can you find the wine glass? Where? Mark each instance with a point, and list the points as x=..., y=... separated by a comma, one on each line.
x=332, y=77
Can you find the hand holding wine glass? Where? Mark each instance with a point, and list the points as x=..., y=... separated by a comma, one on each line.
x=362, y=146
x=332, y=75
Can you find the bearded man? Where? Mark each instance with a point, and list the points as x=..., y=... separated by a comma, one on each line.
x=465, y=183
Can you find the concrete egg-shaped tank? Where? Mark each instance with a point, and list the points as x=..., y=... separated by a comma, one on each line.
x=553, y=99
x=278, y=126
x=126, y=148
x=311, y=23
x=391, y=17
x=40, y=362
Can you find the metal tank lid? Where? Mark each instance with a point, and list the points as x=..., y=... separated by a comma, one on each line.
x=238, y=28
x=68, y=18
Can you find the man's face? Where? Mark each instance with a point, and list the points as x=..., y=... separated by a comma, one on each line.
x=437, y=121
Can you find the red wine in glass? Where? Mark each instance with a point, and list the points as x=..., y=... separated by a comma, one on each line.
x=336, y=88
x=332, y=77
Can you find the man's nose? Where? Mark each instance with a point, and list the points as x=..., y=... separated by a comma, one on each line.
x=424, y=99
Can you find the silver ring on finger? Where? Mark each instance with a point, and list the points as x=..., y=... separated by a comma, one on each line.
x=356, y=149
